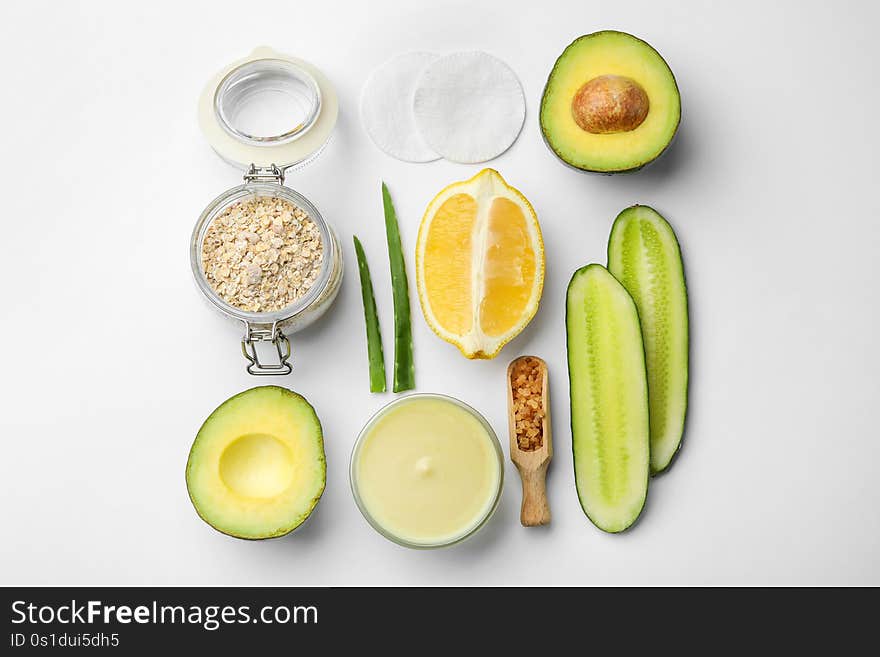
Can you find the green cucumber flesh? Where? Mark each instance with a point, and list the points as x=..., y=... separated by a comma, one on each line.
x=643, y=254
x=609, y=399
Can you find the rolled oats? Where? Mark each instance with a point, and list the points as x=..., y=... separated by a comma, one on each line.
x=262, y=254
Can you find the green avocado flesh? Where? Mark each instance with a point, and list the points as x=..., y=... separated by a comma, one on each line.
x=256, y=468
x=609, y=399
x=621, y=144
x=643, y=254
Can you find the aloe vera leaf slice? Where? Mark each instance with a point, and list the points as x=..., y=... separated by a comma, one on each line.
x=644, y=255
x=404, y=373
x=609, y=399
x=374, y=335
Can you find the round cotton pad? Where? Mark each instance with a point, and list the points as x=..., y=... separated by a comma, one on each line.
x=469, y=106
x=387, y=107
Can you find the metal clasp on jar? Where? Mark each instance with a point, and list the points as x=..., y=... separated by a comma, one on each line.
x=269, y=174
x=255, y=333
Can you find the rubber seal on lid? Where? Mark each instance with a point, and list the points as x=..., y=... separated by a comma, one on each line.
x=267, y=109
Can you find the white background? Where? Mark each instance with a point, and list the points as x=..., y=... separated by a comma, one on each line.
x=111, y=359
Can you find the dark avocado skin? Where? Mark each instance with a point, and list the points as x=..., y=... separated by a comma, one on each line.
x=616, y=171
x=638, y=167
x=315, y=500
x=571, y=427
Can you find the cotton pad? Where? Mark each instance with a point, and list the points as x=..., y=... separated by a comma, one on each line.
x=469, y=106
x=387, y=107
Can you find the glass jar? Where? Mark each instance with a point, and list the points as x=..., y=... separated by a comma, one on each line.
x=268, y=114
x=452, y=540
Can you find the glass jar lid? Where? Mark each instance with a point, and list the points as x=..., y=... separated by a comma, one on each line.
x=268, y=109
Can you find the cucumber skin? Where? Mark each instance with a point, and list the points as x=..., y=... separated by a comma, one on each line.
x=657, y=469
x=638, y=516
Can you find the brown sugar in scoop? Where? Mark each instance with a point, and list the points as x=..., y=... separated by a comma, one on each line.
x=531, y=447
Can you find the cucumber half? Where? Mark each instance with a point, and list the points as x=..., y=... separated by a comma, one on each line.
x=609, y=399
x=643, y=254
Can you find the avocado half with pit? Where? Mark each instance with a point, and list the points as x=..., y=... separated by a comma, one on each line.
x=256, y=468
x=611, y=104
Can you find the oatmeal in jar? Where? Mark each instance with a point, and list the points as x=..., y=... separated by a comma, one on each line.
x=262, y=254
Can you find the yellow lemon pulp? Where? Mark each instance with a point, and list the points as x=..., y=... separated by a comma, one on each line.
x=479, y=264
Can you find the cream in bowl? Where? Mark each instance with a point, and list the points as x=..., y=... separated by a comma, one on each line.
x=427, y=471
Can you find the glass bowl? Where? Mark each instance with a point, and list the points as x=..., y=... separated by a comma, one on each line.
x=458, y=538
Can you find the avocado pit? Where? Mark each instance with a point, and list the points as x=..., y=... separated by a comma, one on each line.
x=608, y=104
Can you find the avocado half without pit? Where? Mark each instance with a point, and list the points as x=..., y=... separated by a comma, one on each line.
x=256, y=468
x=611, y=104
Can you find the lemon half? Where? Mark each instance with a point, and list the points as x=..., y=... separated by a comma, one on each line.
x=479, y=264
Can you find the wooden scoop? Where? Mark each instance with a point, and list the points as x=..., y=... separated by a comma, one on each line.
x=531, y=459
